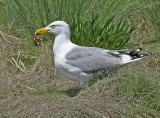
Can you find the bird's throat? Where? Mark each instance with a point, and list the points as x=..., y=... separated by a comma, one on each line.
x=62, y=43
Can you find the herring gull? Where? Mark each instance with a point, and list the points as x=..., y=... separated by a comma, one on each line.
x=79, y=63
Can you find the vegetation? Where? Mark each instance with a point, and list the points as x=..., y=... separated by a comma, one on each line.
x=131, y=91
x=106, y=24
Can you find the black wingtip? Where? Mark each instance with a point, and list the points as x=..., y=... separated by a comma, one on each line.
x=136, y=53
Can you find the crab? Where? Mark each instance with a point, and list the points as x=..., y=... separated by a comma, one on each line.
x=37, y=41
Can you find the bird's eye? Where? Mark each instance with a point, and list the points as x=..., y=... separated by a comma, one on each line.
x=53, y=25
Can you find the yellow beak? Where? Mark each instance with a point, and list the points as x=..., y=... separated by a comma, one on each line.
x=41, y=31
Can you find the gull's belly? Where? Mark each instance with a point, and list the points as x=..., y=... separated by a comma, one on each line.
x=70, y=72
x=69, y=75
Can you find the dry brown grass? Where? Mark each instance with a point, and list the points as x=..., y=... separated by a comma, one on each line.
x=22, y=94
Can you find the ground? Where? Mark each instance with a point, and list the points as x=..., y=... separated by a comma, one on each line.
x=40, y=91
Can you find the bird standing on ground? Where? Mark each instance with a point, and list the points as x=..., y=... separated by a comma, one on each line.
x=79, y=62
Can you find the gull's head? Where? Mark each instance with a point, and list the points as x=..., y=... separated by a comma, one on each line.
x=56, y=27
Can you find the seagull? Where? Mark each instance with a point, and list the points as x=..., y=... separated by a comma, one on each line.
x=79, y=63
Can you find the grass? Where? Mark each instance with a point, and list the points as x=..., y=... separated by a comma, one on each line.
x=103, y=24
x=132, y=91
x=49, y=92
x=141, y=94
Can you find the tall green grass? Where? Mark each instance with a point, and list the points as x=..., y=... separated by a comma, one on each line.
x=106, y=24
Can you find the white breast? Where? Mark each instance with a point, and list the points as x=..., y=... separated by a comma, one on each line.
x=61, y=48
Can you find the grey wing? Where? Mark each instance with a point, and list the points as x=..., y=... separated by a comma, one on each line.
x=90, y=59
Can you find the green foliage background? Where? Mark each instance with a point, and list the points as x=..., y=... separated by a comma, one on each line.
x=102, y=23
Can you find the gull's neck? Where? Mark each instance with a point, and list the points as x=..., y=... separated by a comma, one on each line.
x=62, y=43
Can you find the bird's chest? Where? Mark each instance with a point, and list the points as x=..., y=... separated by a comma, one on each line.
x=60, y=52
x=59, y=59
